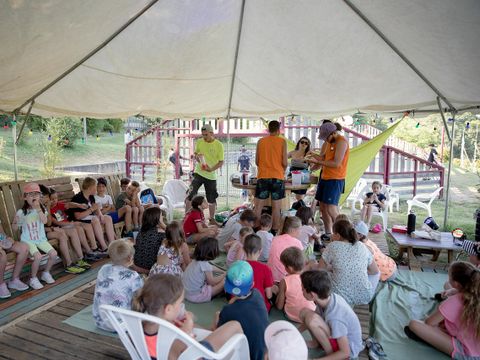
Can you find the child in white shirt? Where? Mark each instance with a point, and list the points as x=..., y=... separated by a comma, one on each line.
x=266, y=236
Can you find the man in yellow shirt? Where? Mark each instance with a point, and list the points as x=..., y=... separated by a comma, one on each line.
x=209, y=154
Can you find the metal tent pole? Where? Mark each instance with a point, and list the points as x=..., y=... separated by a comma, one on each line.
x=14, y=134
x=89, y=55
x=450, y=160
x=232, y=85
x=445, y=123
x=24, y=123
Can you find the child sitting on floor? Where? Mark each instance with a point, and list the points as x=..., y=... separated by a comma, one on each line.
x=308, y=234
x=31, y=219
x=21, y=250
x=289, y=237
x=386, y=265
x=473, y=251
x=200, y=283
x=333, y=325
x=163, y=296
x=194, y=225
x=374, y=198
x=454, y=328
x=247, y=219
x=173, y=255
x=262, y=275
x=290, y=297
x=148, y=241
x=236, y=250
x=266, y=236
x=116, y=283
x=246, y=306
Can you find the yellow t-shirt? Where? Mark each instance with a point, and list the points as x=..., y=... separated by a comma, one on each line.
x=213, y=153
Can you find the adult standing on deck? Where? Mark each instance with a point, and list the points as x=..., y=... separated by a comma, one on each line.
x=334, y=160
x=209, y=155
x=271, y=160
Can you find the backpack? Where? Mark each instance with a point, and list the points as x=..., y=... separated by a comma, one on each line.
x=147, y=196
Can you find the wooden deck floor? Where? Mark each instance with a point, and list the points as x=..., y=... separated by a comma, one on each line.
x=43, y=335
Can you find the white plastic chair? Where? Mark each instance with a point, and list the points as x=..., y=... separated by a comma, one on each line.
x=358, y=189
x=394, y=198
x=417, y=201
x=375, y=211
x=128, y=325
x=175, y=192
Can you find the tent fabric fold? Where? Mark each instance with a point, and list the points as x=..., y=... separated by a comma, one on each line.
x=309, y=57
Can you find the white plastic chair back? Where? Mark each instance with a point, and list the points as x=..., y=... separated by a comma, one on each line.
x=420, y=201
x=357, y=192
x=176, y=191
x=128, y=325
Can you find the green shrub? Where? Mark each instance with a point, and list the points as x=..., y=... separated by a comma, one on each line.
x=116, y=125
x=95, y=126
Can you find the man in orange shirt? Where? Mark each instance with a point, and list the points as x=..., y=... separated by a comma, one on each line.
x=271, y=160
x=334, y=160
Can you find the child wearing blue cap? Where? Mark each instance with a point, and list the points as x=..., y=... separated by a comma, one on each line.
x=246, y=306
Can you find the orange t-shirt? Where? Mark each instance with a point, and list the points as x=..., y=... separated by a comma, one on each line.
x=330, y=173
x=270, y=154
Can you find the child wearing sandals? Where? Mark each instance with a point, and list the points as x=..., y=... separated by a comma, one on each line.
x=173, y=254
x=21, y=250
x=290, y=297
x=31, y=219
x=116, y=283
x=200, y=283
x=454, y=328
x=163, y=296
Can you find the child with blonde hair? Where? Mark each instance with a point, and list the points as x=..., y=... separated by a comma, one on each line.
x=200, y=283
x=116, y=283
x=163, y=296
x=290, y=297
x=236, y=250
x=173, y=254
x=454, y=327
x=31, y=219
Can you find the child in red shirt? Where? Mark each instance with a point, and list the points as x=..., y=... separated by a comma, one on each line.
x=262, y=275
x=194, y=225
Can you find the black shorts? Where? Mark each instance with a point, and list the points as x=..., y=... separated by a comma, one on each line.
x=209, y=185
x=267, y=187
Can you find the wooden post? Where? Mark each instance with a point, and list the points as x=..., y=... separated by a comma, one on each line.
x=415, y=168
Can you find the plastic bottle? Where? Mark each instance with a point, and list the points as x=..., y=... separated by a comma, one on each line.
x=411, y=222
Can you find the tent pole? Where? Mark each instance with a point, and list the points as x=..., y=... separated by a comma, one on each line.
x=399, y=53
x=450, y=160
x=89, y=55
x=24, y=123
x=445, y=124
x=14, y=134
x=232, y=85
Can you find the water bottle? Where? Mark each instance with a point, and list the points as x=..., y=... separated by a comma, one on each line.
x=414, y=304
x=411, y=221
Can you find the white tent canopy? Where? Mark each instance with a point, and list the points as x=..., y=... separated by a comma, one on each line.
x=177, y=59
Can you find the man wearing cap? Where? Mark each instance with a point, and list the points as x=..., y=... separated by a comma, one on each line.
x=334, y=161
x=246, y=306
x=209, y=155
x=271, y=160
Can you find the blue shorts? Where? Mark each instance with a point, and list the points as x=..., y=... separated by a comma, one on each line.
x=329, y=191
x=206, y=344
x=115, y=217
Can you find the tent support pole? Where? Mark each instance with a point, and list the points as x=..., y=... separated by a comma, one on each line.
x=24, y=123
x=445, y=124
x=14, y=134
x=232, y=85
x=450, y=160
x=89, y=55
x=399, y=53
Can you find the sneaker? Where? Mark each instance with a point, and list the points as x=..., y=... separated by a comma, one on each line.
x=83, y=264
x=325, y=237
x=375, y=350
x=35, y=283
x=73, y=269
x=47, y=277
x=17, y=285
x=91, y=257
x=4, y=293
x=129, y=234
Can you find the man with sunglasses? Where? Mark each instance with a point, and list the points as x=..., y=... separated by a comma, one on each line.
x=209, y=155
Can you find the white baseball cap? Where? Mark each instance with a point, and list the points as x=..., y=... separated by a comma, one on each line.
x=284, y=342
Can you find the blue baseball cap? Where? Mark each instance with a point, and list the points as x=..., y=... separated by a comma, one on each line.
x=239, y=278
